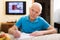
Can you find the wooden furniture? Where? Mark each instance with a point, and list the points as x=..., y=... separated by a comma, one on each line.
x=57, y=25
x=6, y=26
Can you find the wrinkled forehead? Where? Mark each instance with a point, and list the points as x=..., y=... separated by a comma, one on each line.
x=36, y=7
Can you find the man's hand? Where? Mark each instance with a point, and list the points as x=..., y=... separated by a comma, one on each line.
x=14, y=31
x=37, y=33
x=16, y=34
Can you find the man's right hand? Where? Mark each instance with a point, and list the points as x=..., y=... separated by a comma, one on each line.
x=16, y=33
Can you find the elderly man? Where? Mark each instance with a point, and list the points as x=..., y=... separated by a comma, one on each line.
x=32, y=24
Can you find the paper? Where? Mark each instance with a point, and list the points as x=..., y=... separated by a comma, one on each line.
x=24, y=35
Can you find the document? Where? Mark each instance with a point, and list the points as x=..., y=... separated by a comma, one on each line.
x=24, y=36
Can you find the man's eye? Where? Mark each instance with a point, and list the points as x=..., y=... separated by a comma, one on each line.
x=36, y=12
x=32, y=10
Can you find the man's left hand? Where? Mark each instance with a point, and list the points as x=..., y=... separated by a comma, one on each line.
x=37, y=33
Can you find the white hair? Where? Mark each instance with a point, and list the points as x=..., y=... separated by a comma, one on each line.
x=39, y=4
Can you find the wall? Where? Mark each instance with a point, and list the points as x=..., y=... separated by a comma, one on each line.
x=57, y=11
x=5, y=18
x=51, y=13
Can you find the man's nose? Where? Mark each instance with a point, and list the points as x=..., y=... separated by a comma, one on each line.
x=33, y=12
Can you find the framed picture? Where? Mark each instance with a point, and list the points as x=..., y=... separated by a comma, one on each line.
x=15, y=7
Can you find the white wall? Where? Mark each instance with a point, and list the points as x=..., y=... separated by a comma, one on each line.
x=51, y=12
x=5, y=18
x=57, y=11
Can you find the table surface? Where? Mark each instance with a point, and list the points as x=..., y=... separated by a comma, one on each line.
x=44, y=37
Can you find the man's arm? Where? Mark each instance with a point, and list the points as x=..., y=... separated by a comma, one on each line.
x=13, y=28
x=14, y=31
x=50, y=30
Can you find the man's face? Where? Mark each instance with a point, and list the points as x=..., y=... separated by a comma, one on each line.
x=34, y=11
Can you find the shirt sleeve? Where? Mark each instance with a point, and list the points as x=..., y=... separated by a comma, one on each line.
x=19, y=23
x=45, y=24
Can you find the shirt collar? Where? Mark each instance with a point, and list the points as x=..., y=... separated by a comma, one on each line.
x=36, y=20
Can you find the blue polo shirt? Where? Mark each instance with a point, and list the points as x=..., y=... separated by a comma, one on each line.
x=27, y=26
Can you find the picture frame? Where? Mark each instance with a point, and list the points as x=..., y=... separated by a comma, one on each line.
x=15, y=7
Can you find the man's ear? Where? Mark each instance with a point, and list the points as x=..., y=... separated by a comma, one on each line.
x=40, y=12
